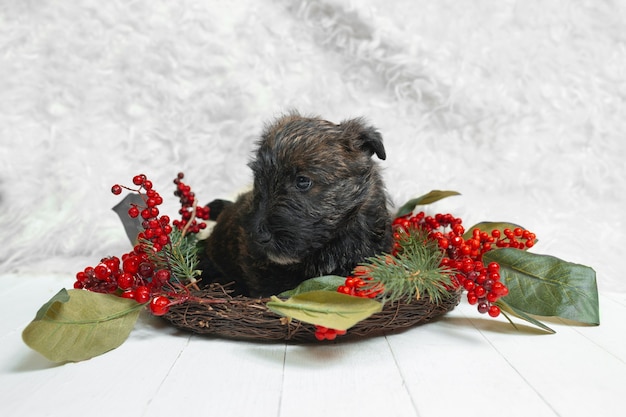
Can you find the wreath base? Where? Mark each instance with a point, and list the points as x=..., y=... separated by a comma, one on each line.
x=213, y=311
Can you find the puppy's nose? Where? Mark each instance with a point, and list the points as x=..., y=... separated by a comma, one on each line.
x=263, y=235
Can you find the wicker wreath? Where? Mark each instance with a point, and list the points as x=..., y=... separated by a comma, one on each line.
x=213, y=311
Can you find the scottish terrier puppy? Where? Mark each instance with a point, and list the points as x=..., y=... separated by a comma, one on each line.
x=318, y=207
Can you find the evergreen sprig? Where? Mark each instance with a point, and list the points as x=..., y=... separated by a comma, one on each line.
x=413, y=272
x=180, y=257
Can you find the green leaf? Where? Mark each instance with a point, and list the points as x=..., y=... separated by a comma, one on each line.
x=431, y=197
x=546, y=286
x=326, y=308
x=506, y=308
x=326, y=282
x=76, y=325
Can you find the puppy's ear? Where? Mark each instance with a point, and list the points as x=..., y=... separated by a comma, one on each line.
x=364, y=137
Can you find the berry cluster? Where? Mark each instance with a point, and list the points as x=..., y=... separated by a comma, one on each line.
x=189, y=210
x=324, y=333
x=135, y=276
x=463, y=254
x=144, y=274
x=453, y=241
x=357, y=284
x=156, y=229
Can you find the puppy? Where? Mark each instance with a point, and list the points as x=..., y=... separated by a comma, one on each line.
x=318, y=207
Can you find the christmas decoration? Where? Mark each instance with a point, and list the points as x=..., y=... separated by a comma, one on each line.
x=434, y=260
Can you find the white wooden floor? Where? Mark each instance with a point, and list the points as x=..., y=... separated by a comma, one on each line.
x=462, y=365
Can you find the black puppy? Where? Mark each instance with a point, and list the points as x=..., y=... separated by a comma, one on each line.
x=318, y=207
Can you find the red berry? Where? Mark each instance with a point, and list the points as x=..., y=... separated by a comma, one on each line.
x=146, y=269
x=139, y=179
x=125, y=281
x=483, y=307
x=468, y=285
x=320, y=336
x=116, y=189
x=142, y=294
x=159, y=305
x=81, y=277
x=102, y=272
x=499, y=289
x=344, y=289
x=162, y=275
x=494, y=276
x=331, y=335
x=494, y=311
x=128, y=294
x=493, y=267
x=131, y=265
x=471, y=298
x=133, y=212
x=480, y=291
x=112, y=263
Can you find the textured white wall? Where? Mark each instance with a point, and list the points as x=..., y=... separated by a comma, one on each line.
x=517, y=105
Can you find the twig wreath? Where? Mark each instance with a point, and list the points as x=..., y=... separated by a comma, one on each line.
x=434, y=261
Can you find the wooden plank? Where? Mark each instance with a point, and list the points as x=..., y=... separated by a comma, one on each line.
x=607, y=335
x=574, y=375
x=465, y=364
x=450, y=369
x=23, y=295
x=344, y=379
x=214, y=377
x=120, y=382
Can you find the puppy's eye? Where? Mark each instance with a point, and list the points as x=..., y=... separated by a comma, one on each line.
x=303, y=183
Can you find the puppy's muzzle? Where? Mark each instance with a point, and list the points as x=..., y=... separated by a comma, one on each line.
x=263, y=236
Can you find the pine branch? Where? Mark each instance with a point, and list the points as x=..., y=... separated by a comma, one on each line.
x=180, y=257
x=414, y=272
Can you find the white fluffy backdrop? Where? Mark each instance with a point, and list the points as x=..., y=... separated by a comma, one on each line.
x=518, y=105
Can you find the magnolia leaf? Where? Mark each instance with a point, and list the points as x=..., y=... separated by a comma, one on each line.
x=326, y=282
x=543, y=285
x=132, y=226
x=431, y=197
x=506, y=308
x=76, y=325
x=326, y=308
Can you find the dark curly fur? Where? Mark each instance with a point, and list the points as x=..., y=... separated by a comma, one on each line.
x=318, y=207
